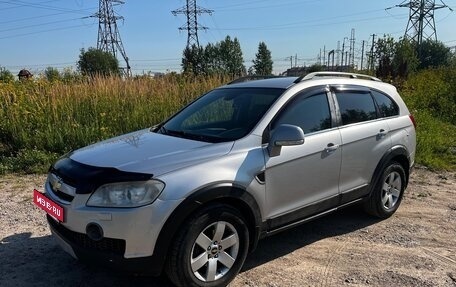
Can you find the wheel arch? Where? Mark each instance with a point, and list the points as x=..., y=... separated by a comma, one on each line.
x=224, y=193
x=397, y=154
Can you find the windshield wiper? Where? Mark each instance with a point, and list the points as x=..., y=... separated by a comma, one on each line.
x=187, y=135
x=163, y=130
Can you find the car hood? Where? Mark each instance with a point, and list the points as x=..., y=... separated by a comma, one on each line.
x=147, y=152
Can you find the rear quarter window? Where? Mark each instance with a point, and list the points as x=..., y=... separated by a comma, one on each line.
x=386, y=106
x=356, y=107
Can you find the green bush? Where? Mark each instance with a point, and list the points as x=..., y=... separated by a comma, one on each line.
x=27, y=161
x=431, y=97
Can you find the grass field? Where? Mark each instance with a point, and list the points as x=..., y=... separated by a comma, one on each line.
x=41, y=121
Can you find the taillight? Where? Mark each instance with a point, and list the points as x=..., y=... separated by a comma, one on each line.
x=413, y=120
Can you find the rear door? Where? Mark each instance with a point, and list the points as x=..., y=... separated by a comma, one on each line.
x=365, y=139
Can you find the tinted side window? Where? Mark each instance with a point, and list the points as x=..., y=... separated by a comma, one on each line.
x=387, y=106
x=311, y=114
x=356, y=107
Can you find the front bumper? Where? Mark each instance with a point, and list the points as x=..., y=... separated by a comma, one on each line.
x=138, y=228
x=107, y=253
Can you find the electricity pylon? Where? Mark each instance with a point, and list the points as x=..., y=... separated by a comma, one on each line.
x=108, y=34
x=192, y=11
x=421, y=25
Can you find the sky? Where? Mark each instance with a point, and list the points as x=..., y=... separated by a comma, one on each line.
x=35, y=34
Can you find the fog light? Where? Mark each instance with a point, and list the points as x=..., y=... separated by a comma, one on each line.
x=94, y=231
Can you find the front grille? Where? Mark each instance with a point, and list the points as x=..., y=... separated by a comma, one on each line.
x=61, y=189
x=62, y=196
x=106, y=245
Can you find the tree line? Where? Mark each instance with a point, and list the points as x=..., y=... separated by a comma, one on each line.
x=390, y=58
x=222, y=58
x=398, y=59
x=225, y=57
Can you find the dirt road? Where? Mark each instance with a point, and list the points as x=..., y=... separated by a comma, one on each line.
x=416, y=247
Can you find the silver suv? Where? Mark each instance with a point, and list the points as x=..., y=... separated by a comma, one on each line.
x=194, y=194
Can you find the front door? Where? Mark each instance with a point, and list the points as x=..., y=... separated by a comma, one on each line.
x=304, y=179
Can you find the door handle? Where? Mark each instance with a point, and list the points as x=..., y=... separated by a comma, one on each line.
x=382, y=133
x=331, y=147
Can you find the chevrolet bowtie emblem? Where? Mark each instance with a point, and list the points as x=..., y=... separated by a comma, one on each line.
x=56, y=184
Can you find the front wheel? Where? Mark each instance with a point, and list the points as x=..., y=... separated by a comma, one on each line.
x=387, y=194
x=210, y=248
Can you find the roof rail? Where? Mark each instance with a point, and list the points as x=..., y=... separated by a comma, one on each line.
x=336, y=74
x=252, y=78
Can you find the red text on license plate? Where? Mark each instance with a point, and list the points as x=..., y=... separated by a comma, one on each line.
x=52, y=208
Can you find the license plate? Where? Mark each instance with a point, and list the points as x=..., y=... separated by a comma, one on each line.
x=51, y=208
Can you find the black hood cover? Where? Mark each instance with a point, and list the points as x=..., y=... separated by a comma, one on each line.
x=86, y=179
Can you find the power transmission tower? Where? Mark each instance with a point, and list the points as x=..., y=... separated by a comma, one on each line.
x=421, y=24
x=108, y=34
x=192, y=11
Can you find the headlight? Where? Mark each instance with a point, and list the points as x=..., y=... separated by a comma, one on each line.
x=126, y=194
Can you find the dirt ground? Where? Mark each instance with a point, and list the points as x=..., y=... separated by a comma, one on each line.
x=416, y=247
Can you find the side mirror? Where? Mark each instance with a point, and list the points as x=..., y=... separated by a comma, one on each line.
x=284, y=135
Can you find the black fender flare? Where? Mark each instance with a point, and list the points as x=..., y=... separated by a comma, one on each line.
x=228, y=193
x=398, y=153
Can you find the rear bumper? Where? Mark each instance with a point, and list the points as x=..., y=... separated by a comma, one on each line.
x=107, y=252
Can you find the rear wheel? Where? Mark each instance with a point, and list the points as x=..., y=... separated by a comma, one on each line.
x=210, y=248
x=387, y=194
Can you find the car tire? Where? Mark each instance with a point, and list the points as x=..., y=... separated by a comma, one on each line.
x=209, y=249
x=387, y=193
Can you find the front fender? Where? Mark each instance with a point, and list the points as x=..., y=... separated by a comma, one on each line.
x=227, y=193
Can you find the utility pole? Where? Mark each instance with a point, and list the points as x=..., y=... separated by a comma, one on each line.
x=329, y=58
x=319, y=57
x=108, y=34
x=291, y=61
x=371, y=64
x=343, y=51
x=362, y=56
x=351, y=61
x=192, y=11
x=324, y=55
x=338, y=53
x=343, y=48
x=421, y=24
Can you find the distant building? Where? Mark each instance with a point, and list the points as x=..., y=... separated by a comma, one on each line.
x=24, y=74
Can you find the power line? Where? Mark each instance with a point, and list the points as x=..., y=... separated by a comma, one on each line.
x=40, y=6
x=43, y=31
x=292, y=26
x=36, y=17
x=18, y=5
x=155, y=60
x=36, y=25
x=247, y=5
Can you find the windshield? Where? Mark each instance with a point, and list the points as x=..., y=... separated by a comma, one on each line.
x=222, y=115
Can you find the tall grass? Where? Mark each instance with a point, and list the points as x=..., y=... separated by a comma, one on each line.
x=41, y=120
